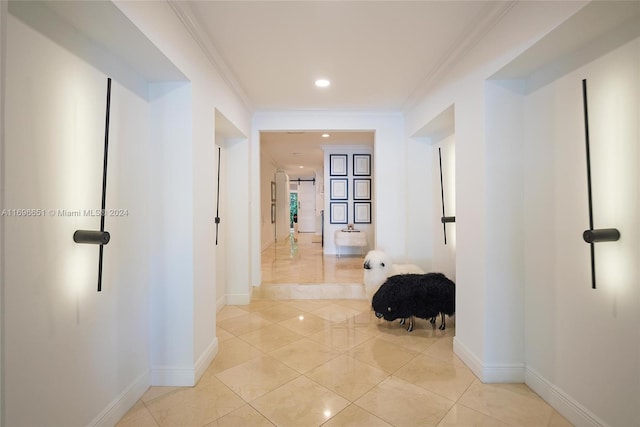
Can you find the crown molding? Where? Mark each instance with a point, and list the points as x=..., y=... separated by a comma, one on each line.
x=352, y=147
x=188, y=18
x=458, y=50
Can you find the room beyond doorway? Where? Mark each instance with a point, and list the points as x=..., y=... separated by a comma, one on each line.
x=297, y=268
x=303, y=158
x=299, y=260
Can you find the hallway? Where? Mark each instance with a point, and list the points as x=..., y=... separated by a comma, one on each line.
x=331, y=362
x=300, y=261
x=475, y=110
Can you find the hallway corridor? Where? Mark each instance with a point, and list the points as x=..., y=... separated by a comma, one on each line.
x=300, y=260
x=310, y=362
x=333, y=363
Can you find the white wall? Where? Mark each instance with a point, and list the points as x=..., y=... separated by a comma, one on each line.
x=231, y=271
x=223, y=230
x=422, y=199
x=146, y=326
x=210, y=93
x=582, y=345
x=59, y=331
x=444, y=255
x=425, y=236
x=525, y=310
x=171, y=251
x=504, y=272
x=238, y=286
x=470, y=231
x=464, y=87
x=389, y=145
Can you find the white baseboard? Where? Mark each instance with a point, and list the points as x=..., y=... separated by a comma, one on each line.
x=468, y=357
x=238, y=299
x=494, y=373
x=506, y=373
x=206, y=358
x=121, y=404
x=169, y=376
x=561, y=402
x=221, y=302
x=520, y=373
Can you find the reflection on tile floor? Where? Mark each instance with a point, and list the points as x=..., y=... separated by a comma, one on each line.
x=300, y=260
x=331, y=362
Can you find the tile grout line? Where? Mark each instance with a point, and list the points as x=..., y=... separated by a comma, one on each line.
x=340, y=353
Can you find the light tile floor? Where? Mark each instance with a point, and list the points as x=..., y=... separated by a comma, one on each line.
x=312, y=362
x=299, y=260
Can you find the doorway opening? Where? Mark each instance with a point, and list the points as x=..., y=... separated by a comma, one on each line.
x=302, y=263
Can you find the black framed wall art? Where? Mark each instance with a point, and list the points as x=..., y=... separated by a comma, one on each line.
x=338, y=164
x=361, y=164
x=339, y=189
x=362, y=212
x=338, y=212
x=362, y=189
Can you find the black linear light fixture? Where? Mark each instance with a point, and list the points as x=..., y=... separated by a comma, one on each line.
x=445, y=219
x=592, y=235
x=217, y=218
x=100, y=237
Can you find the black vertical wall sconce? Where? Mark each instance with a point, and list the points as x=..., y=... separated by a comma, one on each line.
x=444, y=219
x=592, y=236
x=100, y=237
x=217, y=218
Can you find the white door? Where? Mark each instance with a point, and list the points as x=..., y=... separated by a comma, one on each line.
x=307, y=207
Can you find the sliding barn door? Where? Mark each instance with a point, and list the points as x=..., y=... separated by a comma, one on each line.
x=307, y=209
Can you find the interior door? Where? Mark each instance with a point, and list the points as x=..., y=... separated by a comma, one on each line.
x=307, y=207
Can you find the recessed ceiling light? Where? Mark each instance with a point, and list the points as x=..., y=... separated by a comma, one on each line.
x=325, y=135
x=301, y=167
x=322, y=82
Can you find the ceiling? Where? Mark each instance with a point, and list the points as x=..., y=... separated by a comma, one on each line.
x=380, y=56
x=377, y=54
x=289, y=150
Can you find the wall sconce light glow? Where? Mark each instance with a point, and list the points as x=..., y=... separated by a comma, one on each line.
x=301, y=167
x=300, y=317
x=592, y=235
x=322, y=83
x=101, y=237
x=325, y=135
x=327, y=413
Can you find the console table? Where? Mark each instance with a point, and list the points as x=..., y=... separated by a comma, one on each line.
x=350, y=238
